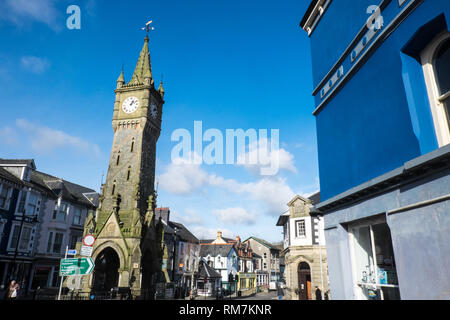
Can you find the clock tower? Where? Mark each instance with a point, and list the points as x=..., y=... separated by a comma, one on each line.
x=127, y=252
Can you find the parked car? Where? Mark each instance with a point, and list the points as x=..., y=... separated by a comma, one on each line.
x=273, y=286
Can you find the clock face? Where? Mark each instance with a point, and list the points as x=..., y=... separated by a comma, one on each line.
x=130, y=105
x=154, y=110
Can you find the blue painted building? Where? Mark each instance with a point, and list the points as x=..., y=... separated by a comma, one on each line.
x=381, y=72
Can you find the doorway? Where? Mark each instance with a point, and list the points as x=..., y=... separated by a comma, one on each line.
x=304, y=281
x=106, y=272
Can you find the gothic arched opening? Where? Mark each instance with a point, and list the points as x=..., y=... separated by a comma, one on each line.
x=106, y=271
x=304, y=281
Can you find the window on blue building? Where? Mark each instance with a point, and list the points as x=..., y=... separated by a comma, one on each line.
x=442, y=71
x=5, y=193
x=436, y=65
x=374, y=268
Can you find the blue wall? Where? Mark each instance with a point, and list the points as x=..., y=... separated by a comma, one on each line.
x=381, y=117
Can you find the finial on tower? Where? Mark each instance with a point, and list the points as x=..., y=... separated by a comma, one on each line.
x=148, y=27
x=161, y=88
x=121, y=80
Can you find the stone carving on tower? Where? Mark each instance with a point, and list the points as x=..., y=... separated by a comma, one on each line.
x=128, y=251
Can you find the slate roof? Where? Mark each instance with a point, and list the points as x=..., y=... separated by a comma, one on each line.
x=215, y=249
x=206, y=271
x=315, y=198
x=65, y=189
x=227, y=240
x=265, y=243
x=5, y=174
x=52, y=186
x=18, y=162
x=183, y=233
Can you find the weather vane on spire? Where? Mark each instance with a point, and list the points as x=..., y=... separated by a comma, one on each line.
x=148, y=27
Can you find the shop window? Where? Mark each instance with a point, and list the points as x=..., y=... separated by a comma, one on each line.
x=436, y=65
x=374, y=268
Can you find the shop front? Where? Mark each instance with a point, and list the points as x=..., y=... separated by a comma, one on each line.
x=373, y=259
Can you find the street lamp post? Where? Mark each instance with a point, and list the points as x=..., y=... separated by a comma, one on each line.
x=320, y=253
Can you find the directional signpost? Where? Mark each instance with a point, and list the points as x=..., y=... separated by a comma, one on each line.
x=72, y=267
x=77, y=267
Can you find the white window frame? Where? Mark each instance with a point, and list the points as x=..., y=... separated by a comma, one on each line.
x=59, y=211
x=357, y=283
x=75, y=210
x=54, y=241
x=8, y=196
x=437, y=107
x=26, y=246
x=36, y=205
x=297, y=231
x=19, y=238
x=2, y=226
x=50, y=242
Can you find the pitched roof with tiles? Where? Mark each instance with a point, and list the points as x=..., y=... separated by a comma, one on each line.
x=207, y=272
x=265, y=243
x=214, y=250
x=65, y=189
x=183, y=233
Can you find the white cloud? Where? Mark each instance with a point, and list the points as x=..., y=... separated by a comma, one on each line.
x=43, y=139
x=274, y=191
x=35, y=64
x=189, y=218
x=183, y=177
x=203, y=233
x=235, y=216
x=260, y=156
x=22, y=12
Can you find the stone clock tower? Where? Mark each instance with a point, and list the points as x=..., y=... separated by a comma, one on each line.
x=128, y=250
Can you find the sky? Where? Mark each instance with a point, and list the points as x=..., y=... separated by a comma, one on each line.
x=231, y=65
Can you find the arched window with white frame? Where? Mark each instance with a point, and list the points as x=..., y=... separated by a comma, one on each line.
x=436, y=65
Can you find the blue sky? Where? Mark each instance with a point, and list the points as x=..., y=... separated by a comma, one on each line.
x=231, y=65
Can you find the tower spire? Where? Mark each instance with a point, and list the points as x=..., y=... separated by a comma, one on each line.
x=121, y=80
x=143, y=71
